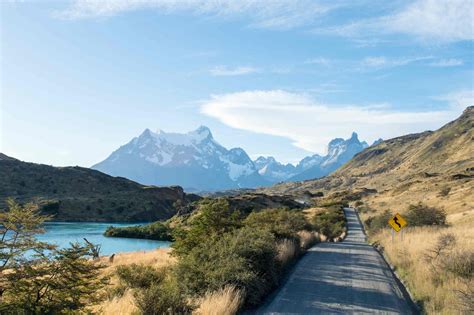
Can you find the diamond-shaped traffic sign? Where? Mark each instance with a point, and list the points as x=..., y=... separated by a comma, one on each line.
x=397, y=222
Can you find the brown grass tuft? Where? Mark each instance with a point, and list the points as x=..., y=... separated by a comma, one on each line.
x=226, y=301
x=308, y=239
x=287, y=251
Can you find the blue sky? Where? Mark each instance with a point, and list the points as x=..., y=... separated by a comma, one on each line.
x=282, y=78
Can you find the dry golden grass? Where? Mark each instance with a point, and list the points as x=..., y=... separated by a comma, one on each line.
x=436, y=291
x=125, y=305
x=156, y=258
x=226, y=301
x=308, y=239
x=287, y=251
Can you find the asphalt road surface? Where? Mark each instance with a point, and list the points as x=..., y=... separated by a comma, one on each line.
x=348, y=277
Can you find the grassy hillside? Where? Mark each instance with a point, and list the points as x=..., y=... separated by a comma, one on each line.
x=434, y=167
x=81, y=194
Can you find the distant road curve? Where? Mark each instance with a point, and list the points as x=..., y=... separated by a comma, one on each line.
x=349, y=277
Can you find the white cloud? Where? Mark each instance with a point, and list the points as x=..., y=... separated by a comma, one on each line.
x=318, y=61
x=264, y=14
x=447, y=63
x=384, y=62
x=439, y=20
x=436, y=19
x=459, y=99
x=226, y=71
x=309, y=124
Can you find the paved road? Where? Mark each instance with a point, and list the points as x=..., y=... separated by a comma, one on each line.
x=349, y=277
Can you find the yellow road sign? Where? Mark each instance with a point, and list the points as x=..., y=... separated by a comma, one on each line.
x=397, y=222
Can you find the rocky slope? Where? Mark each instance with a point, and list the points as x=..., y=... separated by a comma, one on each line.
x=81, y=194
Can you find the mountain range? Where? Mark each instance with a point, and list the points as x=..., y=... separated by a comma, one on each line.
x=197, y=162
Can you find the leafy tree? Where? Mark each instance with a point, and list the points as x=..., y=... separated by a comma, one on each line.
x=420, y=214
x=38, y=278
x=154, y=231
x=18, y=227
x=214, y=218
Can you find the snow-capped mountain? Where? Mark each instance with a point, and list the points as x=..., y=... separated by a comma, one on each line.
x=193, y=160
x=340, y=151
x=274, y=171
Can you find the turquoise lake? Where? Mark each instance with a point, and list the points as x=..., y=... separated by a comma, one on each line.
x=63, y=233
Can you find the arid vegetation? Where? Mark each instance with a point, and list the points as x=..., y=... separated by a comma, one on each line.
x=437, y=264
x=433, y=256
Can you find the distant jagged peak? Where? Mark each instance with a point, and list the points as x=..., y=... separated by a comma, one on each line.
x=266, y=159
x=204, y=130
x=376, y=142
x=195, y=136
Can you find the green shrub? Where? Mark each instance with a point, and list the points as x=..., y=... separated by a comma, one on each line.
x=245, y=258
x=280, y=222
x=214, y=217
x=155, y=290
x=331, y=222
x=139, y=276
x=162, y=298
x=376, y=223
x=153, y=231
x=420, y=214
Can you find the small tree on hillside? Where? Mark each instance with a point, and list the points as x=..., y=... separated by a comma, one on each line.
x=38, y=278
x=214, y=218
x=420, y=214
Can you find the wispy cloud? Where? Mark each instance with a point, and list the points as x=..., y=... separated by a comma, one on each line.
x=309, y=124
x=386, y=62
x=228, y=71
x=318, y=61
x=447, y=63
x=264, y=14
x=444, y=21
x=458, y=99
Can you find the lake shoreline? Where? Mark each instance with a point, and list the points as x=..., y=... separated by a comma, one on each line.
x=64, y=233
